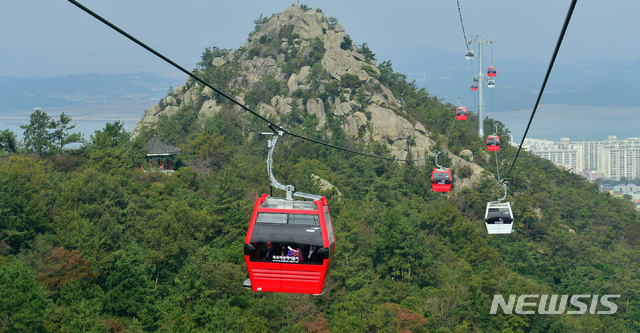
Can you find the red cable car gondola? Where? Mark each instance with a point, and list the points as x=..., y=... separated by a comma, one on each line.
x=290, y=244
x=441, y=180
x=491, y=71
x=493, y=143
x=462, y=113
x=474, y=86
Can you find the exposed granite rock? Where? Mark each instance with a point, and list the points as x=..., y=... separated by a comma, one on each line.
x=476, y=172
x=292, y=83
x=326, y=186
x=208, y=109
x=219, y=61
x=467, y=155
x=316, y=106
x=418, y=126
x=343, y=109
x=191, y=96
x=338, y=62
x=378, y=99
x=388, y=127
x=304, y=72
x=266, y=110
x=310, y=26
x=170, y=110
x=208, y=92
x=353, y=124
x=256, y=68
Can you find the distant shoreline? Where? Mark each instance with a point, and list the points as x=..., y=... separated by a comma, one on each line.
x=88, y=118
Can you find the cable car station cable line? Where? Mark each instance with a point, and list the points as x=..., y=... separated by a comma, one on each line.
x=544, y=82
x=469, y=53
x=499, y=216
x=233, y=100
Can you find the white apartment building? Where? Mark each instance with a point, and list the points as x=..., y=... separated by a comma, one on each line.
x=564, y=152
x=612, y=158
x=620, y=160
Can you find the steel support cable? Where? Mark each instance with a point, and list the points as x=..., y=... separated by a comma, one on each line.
x=448, y=136
x=271, y=124
x=493, y=63
x=466, y=45
x=473, y=69
x=544, y=82
x=445, y=143
x=495, y=133
x=450, y=130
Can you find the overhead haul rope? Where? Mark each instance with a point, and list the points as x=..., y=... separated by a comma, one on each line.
x=544, y=82
x=466, y=45
x=271, y=124
x=495, y=132
x=447, y=139
x=493, y=61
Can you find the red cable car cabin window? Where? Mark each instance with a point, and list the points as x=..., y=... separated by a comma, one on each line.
x=327, y=218
x=288, y=238
x=441, y=178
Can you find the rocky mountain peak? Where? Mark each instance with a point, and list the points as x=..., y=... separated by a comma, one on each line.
x=299, y=64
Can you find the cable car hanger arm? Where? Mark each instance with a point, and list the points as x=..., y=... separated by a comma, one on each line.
x=274, y=182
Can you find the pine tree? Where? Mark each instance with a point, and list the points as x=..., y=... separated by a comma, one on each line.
x=36, y=135
x=60, y=135
x=7, y=141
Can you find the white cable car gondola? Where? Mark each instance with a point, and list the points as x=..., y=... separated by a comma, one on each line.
x=491, y=83
x=499, y=218
x=469, y=55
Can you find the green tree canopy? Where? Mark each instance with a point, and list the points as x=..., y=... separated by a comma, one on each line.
x=36, y=135
x=23, y=306
x=112, y=136
x=60, y=135
x=8, y=141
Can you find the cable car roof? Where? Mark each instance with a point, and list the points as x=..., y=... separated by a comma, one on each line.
x=281, y=203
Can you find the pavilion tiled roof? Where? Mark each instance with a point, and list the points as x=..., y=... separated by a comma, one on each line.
x=159, y=148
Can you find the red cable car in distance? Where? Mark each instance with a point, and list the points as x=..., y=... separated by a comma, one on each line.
x=441, y=180
x=290, y=243
x=491, y=71
x=493, y=143
x=474, y=86
x=462, y=113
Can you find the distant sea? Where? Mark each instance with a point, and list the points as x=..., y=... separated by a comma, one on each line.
x=579, y=123
x=88, y=118
x=551, y=122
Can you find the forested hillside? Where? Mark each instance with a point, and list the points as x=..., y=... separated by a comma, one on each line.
x=90, y=242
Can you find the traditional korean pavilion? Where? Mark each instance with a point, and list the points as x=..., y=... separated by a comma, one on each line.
x=159, y=154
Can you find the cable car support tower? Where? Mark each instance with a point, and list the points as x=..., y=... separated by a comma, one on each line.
x=480, y=40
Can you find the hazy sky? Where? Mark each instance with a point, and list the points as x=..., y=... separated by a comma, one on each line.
x=53, y=37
